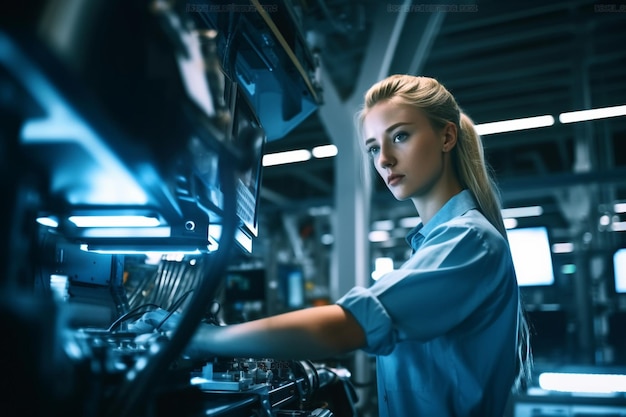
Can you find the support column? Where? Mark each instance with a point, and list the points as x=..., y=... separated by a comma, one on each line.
x=577, y=202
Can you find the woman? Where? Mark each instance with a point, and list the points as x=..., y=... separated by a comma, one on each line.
x=447, y=327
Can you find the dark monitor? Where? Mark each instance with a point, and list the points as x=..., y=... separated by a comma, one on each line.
x=616, y=336
x=548, y=333
x=242, y=285
x=532, y=257
x=619, y=270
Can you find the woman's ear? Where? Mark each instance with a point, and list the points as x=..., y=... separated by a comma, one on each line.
x=449, y=137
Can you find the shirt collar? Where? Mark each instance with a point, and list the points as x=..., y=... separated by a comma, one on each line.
x=456, y=206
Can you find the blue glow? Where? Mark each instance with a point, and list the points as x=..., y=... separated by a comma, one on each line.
x=114, y=221
x=48, y=221
x=583, y=383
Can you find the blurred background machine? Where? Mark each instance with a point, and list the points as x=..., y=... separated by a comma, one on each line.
x=130, y=130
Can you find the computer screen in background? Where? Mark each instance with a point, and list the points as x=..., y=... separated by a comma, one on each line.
x=532, y=257
x=291, y=281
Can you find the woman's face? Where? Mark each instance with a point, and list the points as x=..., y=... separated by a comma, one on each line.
x=406, y=151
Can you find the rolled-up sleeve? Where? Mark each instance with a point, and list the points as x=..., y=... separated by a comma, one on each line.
x=373, y=318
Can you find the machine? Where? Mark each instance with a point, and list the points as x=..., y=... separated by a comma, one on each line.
x=134, y=131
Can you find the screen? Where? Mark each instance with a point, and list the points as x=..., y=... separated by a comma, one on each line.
x=291, y=279
x=247, y=133
x=619, y=267
x=548, y=332
x=244, y=285
x=532, y=258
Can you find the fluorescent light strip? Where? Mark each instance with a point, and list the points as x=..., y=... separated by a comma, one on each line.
x=378, y=236
x=618, y=227
x=510, y=223
x=514, y=124
x=114, y=221
x=288, y=157
x=383, y=225
x=409, y=222
x=565, y=247
x=113, y=251
x=592, y=114
x=121, y=232
x=531, y=211
x=324, y=151
x=583, y=383
x=619, y=207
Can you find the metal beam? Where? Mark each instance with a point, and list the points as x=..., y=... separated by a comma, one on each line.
x=426, y=42
x=312, y=180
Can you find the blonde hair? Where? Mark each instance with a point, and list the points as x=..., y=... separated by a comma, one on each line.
x=468, y=160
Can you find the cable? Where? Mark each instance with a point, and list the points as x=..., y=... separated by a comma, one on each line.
x=173, y=309
x=128, y=314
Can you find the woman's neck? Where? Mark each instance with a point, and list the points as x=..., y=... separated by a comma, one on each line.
x=427, y=206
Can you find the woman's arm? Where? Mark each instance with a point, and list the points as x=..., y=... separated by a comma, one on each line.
x=312, y=333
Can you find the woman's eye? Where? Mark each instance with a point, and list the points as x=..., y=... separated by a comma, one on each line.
x=400, y=136
x=373, y=151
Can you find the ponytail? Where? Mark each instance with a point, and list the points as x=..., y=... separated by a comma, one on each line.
x=473, y=172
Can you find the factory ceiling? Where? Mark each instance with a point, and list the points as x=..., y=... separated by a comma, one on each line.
x=501, y=60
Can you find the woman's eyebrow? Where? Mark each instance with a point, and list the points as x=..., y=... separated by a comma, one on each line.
x=369, y=140
x=395, y=125
x=388, y=130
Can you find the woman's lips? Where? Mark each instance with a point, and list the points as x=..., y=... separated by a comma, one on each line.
x=394, y=179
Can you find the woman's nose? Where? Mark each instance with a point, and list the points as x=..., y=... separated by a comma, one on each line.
x=385, y=158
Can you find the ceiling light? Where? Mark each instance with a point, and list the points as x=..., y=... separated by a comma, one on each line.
x=320, y=211
x=288, y=157
x=324, y=151
x=510, y=223
x=565, y=247
x=618, y=227
x=383, y=225
x=530, y=211
x=138, y=251
x=114, y=221
x=409, y=222
x=583, y=115
x=515, y=124
x=619, y=207
x=378, y=236
x=587, y=383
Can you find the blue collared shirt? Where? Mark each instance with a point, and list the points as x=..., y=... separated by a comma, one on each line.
x=444, y=325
